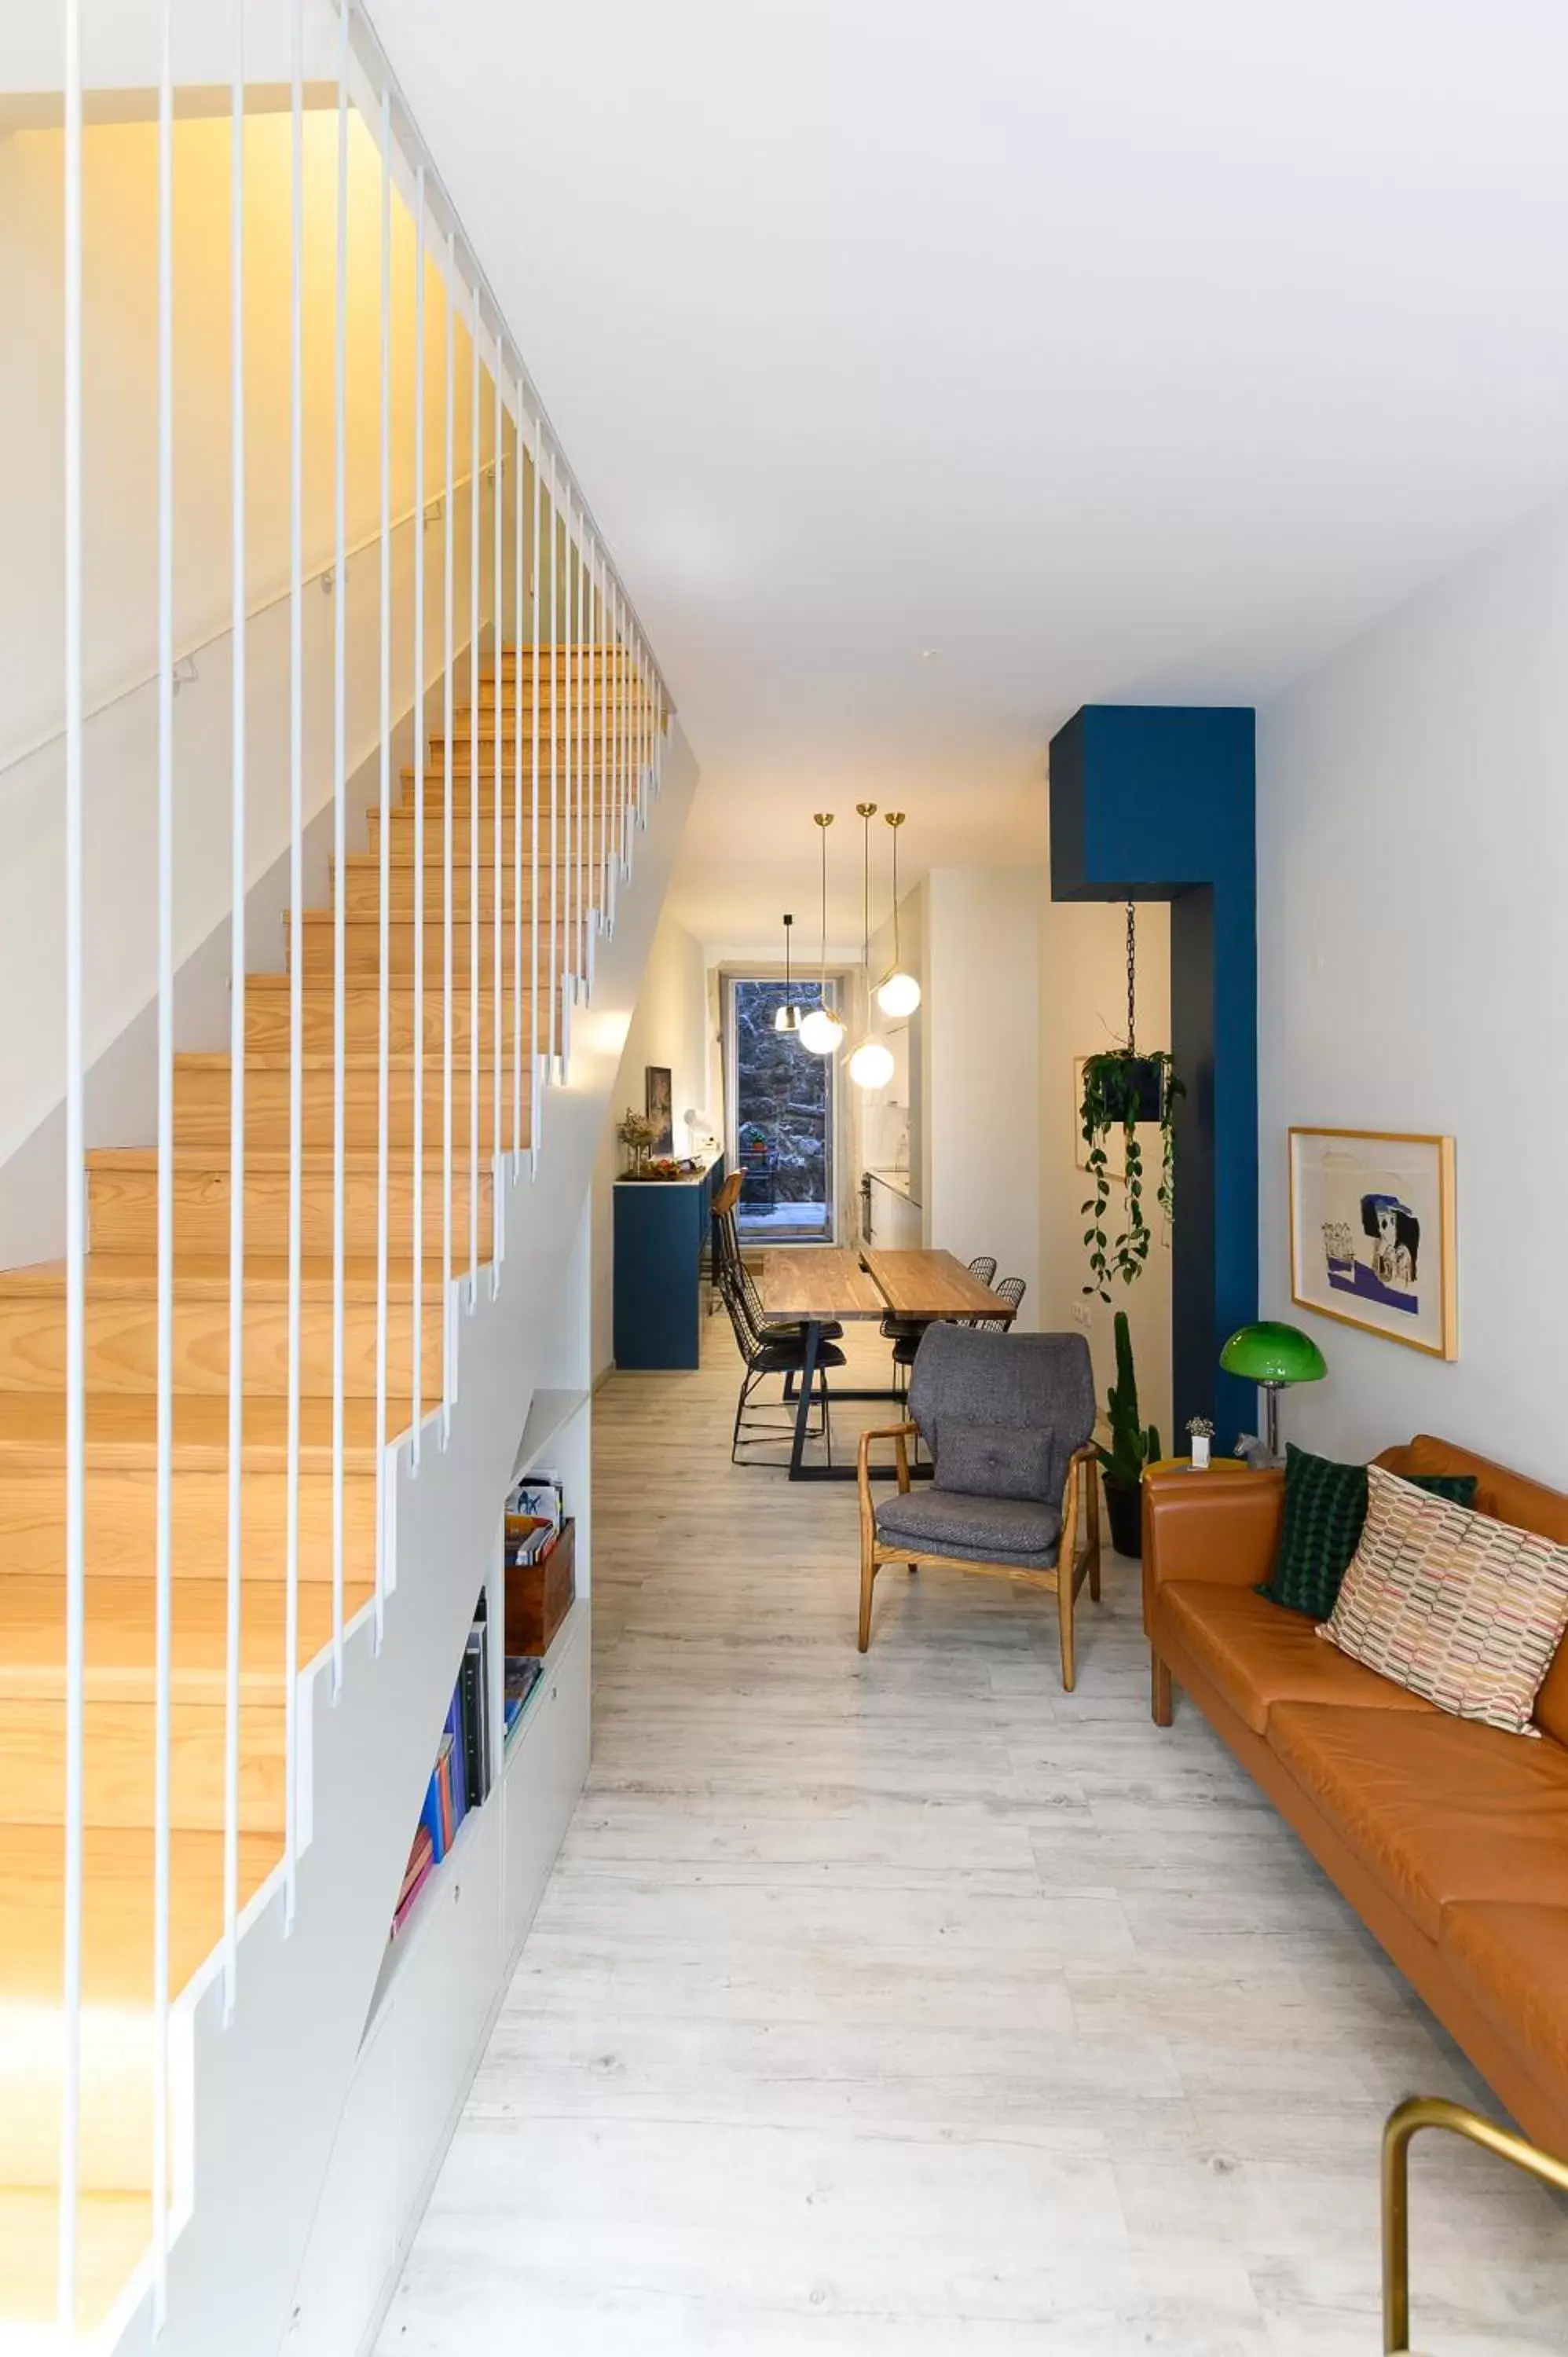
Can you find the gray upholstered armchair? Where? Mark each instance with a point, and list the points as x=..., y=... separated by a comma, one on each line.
x=1007, y=1419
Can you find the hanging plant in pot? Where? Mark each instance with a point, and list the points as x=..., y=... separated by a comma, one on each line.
x=1122, y=1089
x=1133, y=1445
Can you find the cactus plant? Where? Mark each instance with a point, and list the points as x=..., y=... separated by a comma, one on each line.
x=1133, y=1445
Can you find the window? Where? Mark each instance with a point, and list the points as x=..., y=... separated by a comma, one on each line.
x=782, y=1115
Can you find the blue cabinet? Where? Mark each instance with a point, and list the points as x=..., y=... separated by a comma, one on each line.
x=661, y=1232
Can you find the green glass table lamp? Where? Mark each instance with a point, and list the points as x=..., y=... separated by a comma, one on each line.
x=1272, y=1355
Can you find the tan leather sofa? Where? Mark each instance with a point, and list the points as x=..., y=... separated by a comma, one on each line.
x=1449, y=1839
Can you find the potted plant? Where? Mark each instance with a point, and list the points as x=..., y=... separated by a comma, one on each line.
x=1200, y=1433
x=1132, y=1448
x=1122, y=1089
x=636, y=1132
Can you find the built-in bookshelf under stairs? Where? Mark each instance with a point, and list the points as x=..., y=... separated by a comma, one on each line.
x=122, y=1355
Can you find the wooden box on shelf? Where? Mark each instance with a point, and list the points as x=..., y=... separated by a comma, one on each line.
x=539, y=1595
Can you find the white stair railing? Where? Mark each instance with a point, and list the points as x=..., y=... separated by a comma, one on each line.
x=578, y=710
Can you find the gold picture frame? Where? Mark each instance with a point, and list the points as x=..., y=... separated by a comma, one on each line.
x=1374, y=1233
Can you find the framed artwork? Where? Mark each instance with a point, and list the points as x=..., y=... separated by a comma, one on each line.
x=659, y=1104
x=1372, y=1233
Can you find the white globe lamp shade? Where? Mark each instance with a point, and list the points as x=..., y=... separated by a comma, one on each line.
x=821, y=1032
x=898, y=995
x=871, y=1066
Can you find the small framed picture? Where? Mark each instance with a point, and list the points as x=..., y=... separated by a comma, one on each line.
x=659, y=1107
x=1372, y=1233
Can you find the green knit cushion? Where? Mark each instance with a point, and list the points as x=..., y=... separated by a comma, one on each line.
x=1325, y=1505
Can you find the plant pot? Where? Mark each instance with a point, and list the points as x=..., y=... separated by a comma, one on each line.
x=1124, y=1509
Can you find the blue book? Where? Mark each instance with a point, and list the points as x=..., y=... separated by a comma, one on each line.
x=430, y=1818
x=454, y=1728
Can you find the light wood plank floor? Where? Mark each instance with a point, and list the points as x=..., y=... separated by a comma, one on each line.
x=907, y=2004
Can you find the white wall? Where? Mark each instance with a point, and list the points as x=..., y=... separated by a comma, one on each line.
x=981, y=1034
x=1084, y=1011
x=1412, y=850
x=669, y=1026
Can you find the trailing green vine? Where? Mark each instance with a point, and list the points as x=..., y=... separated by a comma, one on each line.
x=1113, y=1090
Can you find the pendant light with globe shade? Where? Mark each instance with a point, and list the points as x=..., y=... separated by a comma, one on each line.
x=871, y=1066
x=822, y=1031
x=787, y=1016
x=898, y=992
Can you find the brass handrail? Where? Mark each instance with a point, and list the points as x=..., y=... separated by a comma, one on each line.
x=1402, y=2123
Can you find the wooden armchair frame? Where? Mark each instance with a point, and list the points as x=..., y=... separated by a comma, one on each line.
x=1080, y=1500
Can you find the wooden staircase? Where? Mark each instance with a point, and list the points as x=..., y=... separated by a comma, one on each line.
x=115, y=2208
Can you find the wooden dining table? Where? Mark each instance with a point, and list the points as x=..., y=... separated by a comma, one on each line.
x=833, y=1284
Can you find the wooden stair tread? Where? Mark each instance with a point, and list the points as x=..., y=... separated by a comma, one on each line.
x=359, y=1159
x=270, y=985
x=199, y=1276
x=121, y=1636
x=267, y=1059
x=117, y=1907
x=113, y=2232
x=121, y=1432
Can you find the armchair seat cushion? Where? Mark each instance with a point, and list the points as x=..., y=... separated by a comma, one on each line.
x=1022, y=1531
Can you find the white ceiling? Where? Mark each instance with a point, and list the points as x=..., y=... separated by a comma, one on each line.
x=1139, y=351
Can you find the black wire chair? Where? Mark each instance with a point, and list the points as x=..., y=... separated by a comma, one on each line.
x=905, y=1333
x=1013, y=1289
x=773, y=1351
x=727, y=1256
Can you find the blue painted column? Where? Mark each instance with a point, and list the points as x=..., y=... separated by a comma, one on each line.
x=1157, y=802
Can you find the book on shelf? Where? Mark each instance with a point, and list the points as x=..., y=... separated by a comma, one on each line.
x=461, y=1777
x=421, y=1859
x=524, y=1672
x=536, y=1511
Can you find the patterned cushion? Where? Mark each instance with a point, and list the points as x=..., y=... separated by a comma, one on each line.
x=994, y=1460
x=1462, y=1609
x=1325, y=1505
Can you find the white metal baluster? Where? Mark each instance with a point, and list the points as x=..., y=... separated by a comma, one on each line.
x=585, y=769
x=476, y=768
x=416, y=1239
x=446, y=1339
x=628, y=739
x=535, y=587
x=75, y=1205
x=497, y=1005
x=516, y=517
x=620, y=734
x=607, y=879
x=569, y=799
x=163, y=1675
x=384, y=999
x=296, y=951
x=557, y=928
x=339, y=841
x=238, y=885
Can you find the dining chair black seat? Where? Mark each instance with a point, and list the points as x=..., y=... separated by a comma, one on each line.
x=770, y=1350
x=727, y=1255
